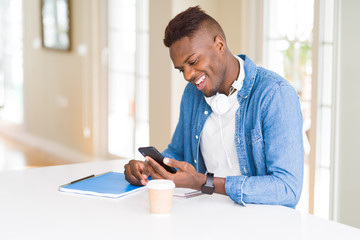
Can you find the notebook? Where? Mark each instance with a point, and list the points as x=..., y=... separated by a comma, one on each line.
x=186, y=192
x=110, y=184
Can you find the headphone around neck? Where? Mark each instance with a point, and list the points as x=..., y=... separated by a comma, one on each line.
x=220, y=103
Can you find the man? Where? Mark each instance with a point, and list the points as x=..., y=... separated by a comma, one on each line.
x=237, y=121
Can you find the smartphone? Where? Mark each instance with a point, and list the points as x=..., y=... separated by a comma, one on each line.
x=157, y=156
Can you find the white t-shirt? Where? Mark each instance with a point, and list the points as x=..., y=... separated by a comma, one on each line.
x=217, y=141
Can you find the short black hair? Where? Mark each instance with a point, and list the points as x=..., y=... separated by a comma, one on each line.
x=186, y=23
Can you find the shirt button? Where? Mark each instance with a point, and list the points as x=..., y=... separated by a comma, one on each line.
x=206, y=112
x=195, y=161
x=196, y=136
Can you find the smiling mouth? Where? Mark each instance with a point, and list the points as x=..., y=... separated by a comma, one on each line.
x=200, y=83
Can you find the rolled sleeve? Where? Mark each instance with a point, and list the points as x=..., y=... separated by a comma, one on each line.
x=234, y=188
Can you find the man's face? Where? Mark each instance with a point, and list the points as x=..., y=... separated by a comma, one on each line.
x=201, y=61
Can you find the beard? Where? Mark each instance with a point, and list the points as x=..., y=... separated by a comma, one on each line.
x=211, y=93
x=214, y=90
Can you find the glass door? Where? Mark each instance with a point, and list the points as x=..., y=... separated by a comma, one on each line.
x=128, y=81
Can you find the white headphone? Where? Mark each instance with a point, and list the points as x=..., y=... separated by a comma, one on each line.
x=220, y=103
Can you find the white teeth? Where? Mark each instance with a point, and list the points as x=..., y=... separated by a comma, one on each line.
x=200, y=80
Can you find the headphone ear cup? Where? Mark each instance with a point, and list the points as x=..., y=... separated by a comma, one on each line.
x=220, y=104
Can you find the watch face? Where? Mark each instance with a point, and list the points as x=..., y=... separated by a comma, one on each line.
x=207, y=189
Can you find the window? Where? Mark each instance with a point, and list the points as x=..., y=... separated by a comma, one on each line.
x=288, y=27
x=11, y=61
x=325, y=109
x=128, y=117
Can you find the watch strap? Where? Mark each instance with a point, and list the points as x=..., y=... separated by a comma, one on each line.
x=208, y=187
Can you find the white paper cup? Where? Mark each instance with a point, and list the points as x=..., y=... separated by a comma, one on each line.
x=160, y=195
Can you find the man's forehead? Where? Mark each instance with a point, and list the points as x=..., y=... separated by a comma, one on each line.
x=181, y=48
x=182, y=43
x=189, y=45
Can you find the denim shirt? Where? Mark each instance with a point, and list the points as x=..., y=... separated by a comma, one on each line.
x=268, y=138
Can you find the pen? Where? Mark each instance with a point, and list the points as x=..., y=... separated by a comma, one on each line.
x=81, y=179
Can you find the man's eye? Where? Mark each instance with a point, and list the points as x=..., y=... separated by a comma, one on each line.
x=193, y=62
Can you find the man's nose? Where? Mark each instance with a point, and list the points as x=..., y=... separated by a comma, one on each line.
x=189, y=73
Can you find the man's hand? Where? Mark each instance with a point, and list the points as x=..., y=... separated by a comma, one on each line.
x=186, y=175
x=136, y=172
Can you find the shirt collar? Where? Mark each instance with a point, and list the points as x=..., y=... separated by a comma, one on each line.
x=250, y=70
x=239, y=81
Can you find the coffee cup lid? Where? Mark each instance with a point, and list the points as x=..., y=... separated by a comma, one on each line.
x=160, y=184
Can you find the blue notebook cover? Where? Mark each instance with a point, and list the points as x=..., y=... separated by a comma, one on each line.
x=111, y=184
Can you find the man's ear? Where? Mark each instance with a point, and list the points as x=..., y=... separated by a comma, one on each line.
x=220, y=43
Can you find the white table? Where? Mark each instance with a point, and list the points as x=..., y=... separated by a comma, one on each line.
x=31, y=207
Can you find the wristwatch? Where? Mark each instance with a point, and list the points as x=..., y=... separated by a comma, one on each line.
x=208, y=187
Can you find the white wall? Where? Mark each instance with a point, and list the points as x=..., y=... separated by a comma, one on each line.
x=61, y=88
x=348, y=179
x=159, y=75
